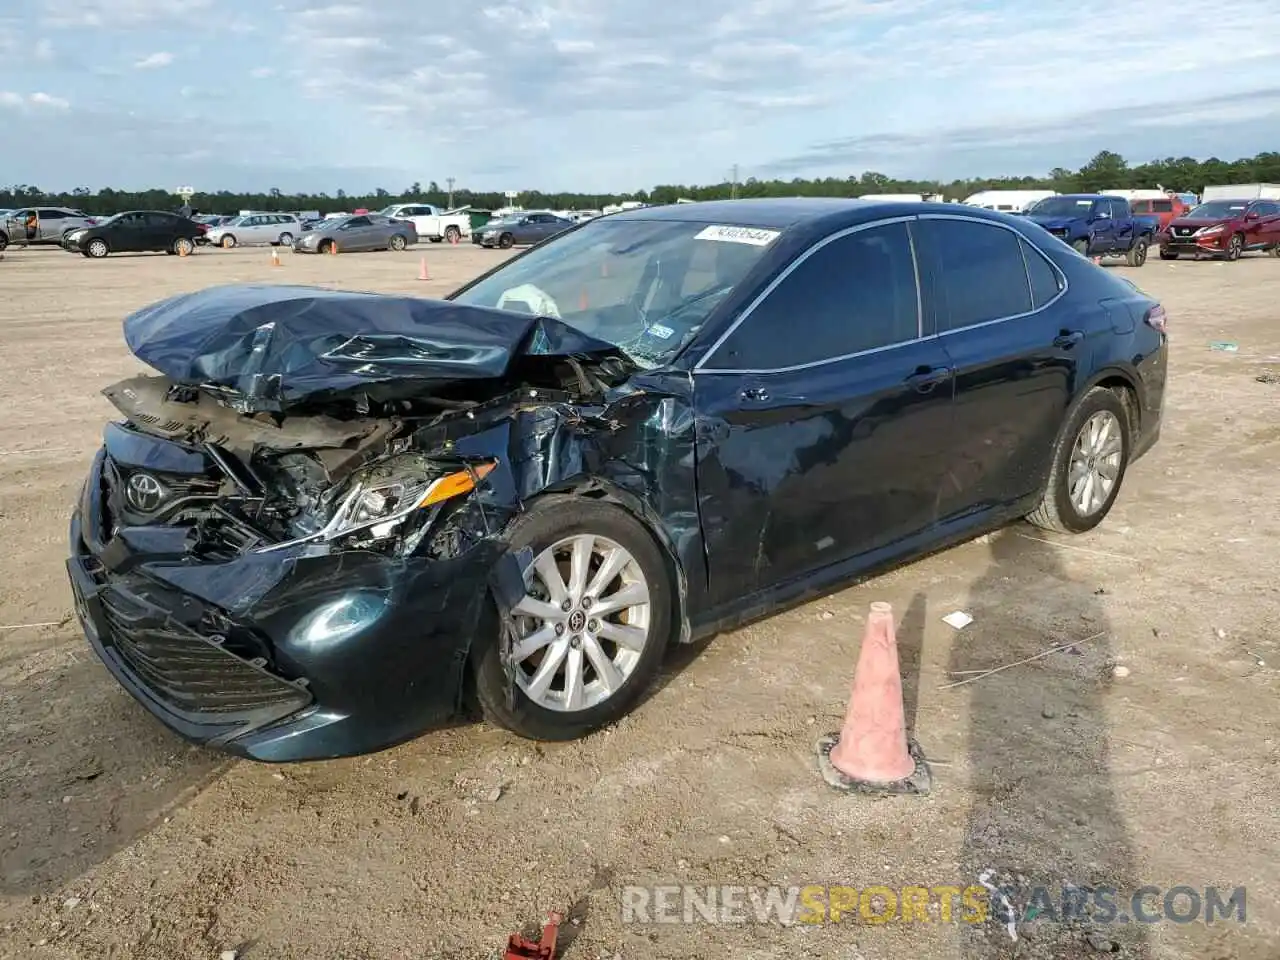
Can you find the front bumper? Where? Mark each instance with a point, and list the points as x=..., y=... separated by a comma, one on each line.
x=1213, y=244
x=276, y=657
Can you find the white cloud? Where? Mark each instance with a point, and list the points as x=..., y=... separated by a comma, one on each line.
x=155, y=61
x=262, y=73
x=118, y=14
x=37, y=100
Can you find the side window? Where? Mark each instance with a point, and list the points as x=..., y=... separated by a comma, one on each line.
x=1045, y=281
x=359, y=222
x=981, y=274
x=1140, y=206
x=1162, y=206
x=160, y=220
x=1268, y=209
x=1119, y=209
x=52, y=215
x=852, y=294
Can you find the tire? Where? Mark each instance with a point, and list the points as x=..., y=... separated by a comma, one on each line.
x=437, y=239
x=1081, y=247
x=1167, y=254
x=97, y=248
x=286, y=239
x=182, y=247
x=452, y=234
x=506, y=241
x=1056, y=511
x=397, y=243
x=1137, y=254
x=1274, y=251
x=326, y=246
x=1235, y=247
x=553, y=521
x=227, y=242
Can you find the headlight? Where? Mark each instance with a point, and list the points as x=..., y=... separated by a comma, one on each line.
x=1209, y=231
x=75, y=234
x=377, y=502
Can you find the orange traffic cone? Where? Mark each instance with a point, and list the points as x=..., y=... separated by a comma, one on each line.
x=871, y=754
x=275, y=257
x=422, y=270
x=582, y=300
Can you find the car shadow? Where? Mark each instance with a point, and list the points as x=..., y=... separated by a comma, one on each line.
x=84, y=770
x=1045, y=811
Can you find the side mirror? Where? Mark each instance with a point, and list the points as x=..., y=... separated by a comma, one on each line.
x=1253, y=215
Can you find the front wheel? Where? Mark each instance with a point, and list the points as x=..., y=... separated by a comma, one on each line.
x=227, y=242
x=1167, y=254
x=97, y=249
x=1089, y=462
x=1235, y=247
x=397, y=243
x=506, y=241
x=590, y=633
x=1137, y=254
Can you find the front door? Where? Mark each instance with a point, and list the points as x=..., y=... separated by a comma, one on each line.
x=1103, y=227
x=822, y=418
x=129, y=234
x=1016, y=347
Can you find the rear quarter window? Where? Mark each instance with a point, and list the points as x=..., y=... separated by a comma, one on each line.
x=981, y=275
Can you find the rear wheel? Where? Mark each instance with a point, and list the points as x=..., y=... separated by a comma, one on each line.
x=286, y=239
x=97, y=248
x=1089, y=462
x=590, y=634
x=1274, y=251
x=1137, y=254
x=183, y=247
x=452, y=234
x=397, y=243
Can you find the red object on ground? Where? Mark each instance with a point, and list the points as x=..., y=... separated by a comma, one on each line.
x=518, y=948
x=873, y=743
x=422, y=270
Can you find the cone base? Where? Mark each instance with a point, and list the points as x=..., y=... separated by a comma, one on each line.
x=919, y=782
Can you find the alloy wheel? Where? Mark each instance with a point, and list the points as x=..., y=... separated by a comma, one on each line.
x=1095, y=463
x=582, y=625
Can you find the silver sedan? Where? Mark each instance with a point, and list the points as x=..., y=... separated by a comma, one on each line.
x=366, y=231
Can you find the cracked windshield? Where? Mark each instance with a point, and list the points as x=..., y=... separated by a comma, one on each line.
x=646, y=287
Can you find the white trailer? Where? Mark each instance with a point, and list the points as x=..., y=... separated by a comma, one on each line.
x=1009, y=201
x=1242, y=191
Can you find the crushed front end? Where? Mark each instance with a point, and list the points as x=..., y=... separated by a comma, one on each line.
x=288, y=544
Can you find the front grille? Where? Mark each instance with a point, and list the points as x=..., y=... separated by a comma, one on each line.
x=194, y=677
x=1183, y=231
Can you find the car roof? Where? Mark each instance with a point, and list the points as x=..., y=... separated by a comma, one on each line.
x=829, y=213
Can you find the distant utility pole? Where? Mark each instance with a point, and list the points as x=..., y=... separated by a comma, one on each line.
x=450, y=182
x=733, y=186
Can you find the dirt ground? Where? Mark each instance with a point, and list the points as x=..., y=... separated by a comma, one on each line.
x=120, y=840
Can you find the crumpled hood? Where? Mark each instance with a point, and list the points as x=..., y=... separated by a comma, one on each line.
x=279, y=346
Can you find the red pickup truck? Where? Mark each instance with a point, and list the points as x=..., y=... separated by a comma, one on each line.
x=1165, y=210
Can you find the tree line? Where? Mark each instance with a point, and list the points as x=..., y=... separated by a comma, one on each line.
x=1105, y=171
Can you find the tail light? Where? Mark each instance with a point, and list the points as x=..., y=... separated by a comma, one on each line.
x=1156, y=318
x=202, y=227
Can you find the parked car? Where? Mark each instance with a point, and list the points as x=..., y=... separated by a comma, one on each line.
x=431, y=222
x=366, y=231
x=521, y=228
x=1096, y=225
x=136, y=231
x=259, y=228
x=53, y=223
x=1162, y=210
x=331, y=513
x=1224, y=228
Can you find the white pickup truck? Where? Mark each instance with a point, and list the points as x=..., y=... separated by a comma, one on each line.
x=432, y=223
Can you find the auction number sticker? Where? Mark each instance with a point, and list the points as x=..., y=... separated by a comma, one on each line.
x=749, y=235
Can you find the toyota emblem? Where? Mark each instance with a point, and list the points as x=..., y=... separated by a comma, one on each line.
x=144, y=492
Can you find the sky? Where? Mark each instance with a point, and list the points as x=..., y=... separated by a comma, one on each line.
x=618, y=95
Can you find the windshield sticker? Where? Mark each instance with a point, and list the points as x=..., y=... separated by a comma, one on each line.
x=748, y=235
x=1084, y=203
x=661, y=332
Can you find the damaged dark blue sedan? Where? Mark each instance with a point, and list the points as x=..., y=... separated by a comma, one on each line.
x=332, y=521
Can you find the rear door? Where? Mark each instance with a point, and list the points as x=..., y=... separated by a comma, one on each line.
x=1016, y=346
x=823, y=416
x=161, y=230
x=1269, y=211
x=52, y=223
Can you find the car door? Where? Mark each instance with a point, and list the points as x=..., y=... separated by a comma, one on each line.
x=1103, y=227
x=52, y=223
x=1016, y=346
x=354, y=234
x=162, y=230
x=1258, y=228
x=1269, y=211
x=821, y=416
x=1122, y=224
x=128, y=233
